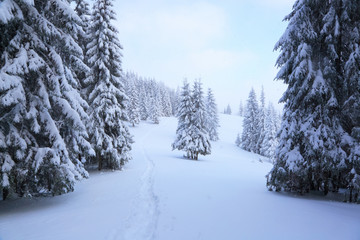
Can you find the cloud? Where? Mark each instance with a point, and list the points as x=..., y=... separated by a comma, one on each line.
x=226, y=43
x=274, y=3
x=211, y=60
x=191, y=25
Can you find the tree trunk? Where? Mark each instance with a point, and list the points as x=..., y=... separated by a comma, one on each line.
x=5, y=193
x=99, y=160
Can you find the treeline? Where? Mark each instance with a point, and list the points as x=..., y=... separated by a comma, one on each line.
x=148, y=99
x=260, y=126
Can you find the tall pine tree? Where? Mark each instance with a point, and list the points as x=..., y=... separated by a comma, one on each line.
x=309, y=156
x=350, y=115
x=109, y=134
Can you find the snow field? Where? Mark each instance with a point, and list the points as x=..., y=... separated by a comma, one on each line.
x=161, y=195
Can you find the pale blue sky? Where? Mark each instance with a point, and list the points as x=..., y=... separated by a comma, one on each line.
x=229, y=43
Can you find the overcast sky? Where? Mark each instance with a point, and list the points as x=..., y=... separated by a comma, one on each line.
x=227, y=43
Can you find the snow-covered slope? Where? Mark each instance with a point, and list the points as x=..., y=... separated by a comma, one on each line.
x=161, y=195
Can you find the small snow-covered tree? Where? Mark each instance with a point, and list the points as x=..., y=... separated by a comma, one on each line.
x=174, y=98
x=250, y=134
x=133, y=106
x=261, y=123
x=166, y=101
x=241, y=109
x=192, y=136
x=238, y=140
x=212, y=119
x=144, y=102
x=227, y=110
x=270, y=142
x=155, y=110
x=107, y=99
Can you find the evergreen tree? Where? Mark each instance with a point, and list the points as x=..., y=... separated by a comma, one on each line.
x=144, y=105
x=261, y=123
x=155, y=107
x=238, y=140
x=200, y=137
x=241, y=109
x=166, y=101
x=212, y=120
x=227, y=110
x=349, y=53
x=82, y=8
x=109, y=134
x=174, y=98
x=185, y=112
x=250, y=134
x=309, y=156
x=38, y=99
x=155, y=110
x=271, y=141
x=133, y=106
x=192, y=136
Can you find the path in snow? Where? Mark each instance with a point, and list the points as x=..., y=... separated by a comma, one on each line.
x=142, y=222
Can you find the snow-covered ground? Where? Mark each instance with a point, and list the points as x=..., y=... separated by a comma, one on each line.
x=160, y=195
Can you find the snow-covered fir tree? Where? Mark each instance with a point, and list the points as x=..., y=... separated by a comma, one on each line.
x=82, y=8
x=227, y=110
x=270, y=141
x=39, y=153
x=107, y=99
x=349, y=53
x=200, y=137
x=155, y=109
x=165, y=101
x=133, y=105
x=192, y=136
x=238, y=140
x=250, y=133
x=144, y=102
x=75, y=70
x=185, y=112
x=261, y=122
x=212, y=117
x=241, y=109
x=310, y=154
x=174, y=98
